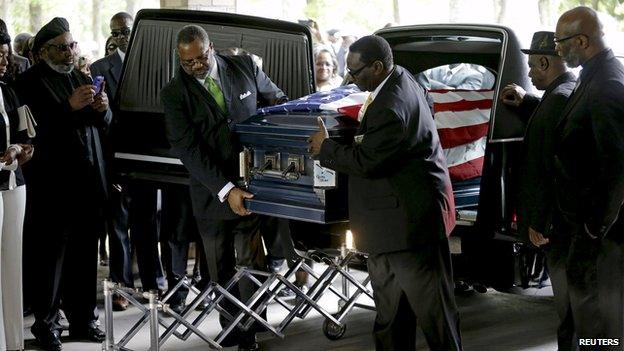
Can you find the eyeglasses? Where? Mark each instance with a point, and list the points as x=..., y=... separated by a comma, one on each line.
x=557, y=40
x=121, y=32
x=354, y=73
x=202, y=60
x=65, y=47
x=4, y=56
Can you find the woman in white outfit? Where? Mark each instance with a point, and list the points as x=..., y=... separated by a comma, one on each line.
x=14, y=150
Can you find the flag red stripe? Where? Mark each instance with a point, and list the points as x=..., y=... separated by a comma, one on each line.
x=350, y=111
x=462, y=105
x=444, y=91
x=467, y=170
x=452, y=137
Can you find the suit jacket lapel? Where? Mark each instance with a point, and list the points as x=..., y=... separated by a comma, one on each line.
x=225, y=78
x=196, y=88
x=115, y=67
x=371, y=106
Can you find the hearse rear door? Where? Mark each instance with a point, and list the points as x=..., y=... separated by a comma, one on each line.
x=495, y=48
x=140, y=144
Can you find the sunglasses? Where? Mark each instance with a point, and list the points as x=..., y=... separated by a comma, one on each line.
x=122, y=32
x=65, y=47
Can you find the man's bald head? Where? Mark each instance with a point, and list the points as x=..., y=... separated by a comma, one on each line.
x=583, y=20
x=579, y=35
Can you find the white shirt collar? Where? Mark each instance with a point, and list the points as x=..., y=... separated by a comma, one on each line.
x=371, y=97
x=121, y=54
x=376, y=91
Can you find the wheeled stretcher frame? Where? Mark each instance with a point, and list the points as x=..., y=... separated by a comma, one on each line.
x=249, y=312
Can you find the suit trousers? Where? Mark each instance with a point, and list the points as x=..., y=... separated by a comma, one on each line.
x=144, y=224
x=556, y=257
x=415, y=286
x=178, y=230
x=67, y=257
x=120, y=257
x=133, y=222
x=12, y=208
x=595, y=273
x=228, y=244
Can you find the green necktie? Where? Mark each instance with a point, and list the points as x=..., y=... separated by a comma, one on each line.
x=215, y=91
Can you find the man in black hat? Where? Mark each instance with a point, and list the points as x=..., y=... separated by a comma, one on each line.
x=66, y=186
x=536, y=197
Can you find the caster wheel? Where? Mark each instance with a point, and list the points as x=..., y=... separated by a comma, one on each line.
x=332, y=330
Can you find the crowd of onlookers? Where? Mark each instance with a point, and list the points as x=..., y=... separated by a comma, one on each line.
x=52, y=204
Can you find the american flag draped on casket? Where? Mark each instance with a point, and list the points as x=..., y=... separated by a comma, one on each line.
x=461, y=116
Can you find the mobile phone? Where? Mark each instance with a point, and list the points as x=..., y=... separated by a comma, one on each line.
x=97, y=84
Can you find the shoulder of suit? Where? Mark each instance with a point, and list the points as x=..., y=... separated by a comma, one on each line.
x=98, y=67
x=175, y=86
x=564, y=89
x=104, y=61
x=237, y=61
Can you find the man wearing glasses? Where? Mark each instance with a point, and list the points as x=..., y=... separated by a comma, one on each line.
x=66, y=187
x=401, y=204
x=110, y=66
x=134, y=202
x=207, y=96
x=589, y=178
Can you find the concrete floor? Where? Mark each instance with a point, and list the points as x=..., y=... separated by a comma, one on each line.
x=524, y=320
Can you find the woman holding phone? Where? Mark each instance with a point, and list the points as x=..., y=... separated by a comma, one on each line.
x=16, y=127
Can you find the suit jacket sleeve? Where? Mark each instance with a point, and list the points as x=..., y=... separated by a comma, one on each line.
x=187, y=144
x=528, y=106
x=382, y=144
x=268, y=93
x=607, y=191
x=543, y=187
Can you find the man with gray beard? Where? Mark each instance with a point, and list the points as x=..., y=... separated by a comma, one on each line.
x=67, y=187
x=589, y=179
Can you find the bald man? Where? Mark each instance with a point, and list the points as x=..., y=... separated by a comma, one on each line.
x=589, y=171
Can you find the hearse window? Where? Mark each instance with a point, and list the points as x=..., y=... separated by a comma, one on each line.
x=457, y=76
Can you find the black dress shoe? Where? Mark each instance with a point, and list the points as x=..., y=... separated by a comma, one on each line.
x=253, y=347
x=49, y=340
x=248, y=343
x=88, y=333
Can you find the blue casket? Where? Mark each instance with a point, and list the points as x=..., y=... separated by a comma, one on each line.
x=278, y=169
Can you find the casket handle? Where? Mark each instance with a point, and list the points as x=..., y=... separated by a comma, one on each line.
x=290, y=173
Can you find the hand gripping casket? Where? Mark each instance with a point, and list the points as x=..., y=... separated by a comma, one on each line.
x=278, y=169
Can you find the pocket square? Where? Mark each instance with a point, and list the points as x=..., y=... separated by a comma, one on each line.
x=244, y=95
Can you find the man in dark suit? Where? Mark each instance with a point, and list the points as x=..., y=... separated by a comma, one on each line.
x=589, y=166
x=131, y=205
x=401, y=205
x=110, y=66
x=208, y=95
x=64, y=205
x=537, y=180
